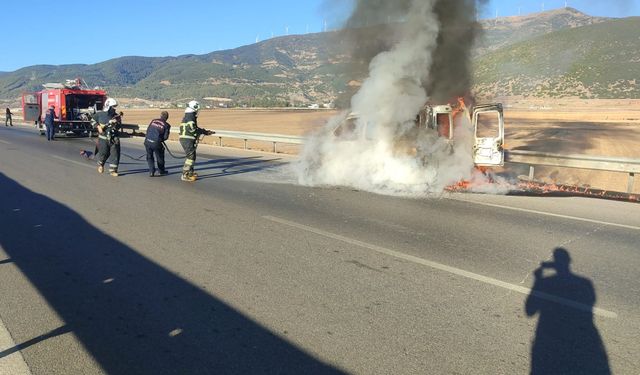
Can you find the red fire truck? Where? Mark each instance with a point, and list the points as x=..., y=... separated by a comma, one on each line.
x=74, y=106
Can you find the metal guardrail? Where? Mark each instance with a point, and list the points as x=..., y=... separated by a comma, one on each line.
x=531, y=158
x=264, y=137
x=133, y=127
x=600, y=163
x=248, y=136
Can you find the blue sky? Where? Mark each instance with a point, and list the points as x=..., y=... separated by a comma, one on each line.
x=41, y=33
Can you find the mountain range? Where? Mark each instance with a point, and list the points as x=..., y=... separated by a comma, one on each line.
x=559, y=53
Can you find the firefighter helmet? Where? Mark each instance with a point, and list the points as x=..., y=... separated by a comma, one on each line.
x=109, y=103
x=193, y=106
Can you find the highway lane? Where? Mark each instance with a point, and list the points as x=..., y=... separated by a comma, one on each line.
x=330, y=278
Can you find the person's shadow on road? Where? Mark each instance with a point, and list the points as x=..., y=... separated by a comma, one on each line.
x=567, y=340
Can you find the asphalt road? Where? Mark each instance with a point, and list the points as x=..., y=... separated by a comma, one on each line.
x=246, y=272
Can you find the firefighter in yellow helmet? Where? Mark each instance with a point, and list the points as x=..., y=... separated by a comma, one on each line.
x=189, y=134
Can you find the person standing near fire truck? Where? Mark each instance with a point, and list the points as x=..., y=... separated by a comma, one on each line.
x=189, y=134
x=8, y=118
x=157, y=132
x=107, y=122
x=49, y=123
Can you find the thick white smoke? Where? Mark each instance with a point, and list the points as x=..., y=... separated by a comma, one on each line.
x=385, y=153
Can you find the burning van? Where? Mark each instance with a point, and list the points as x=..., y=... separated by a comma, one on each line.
x=486, y=120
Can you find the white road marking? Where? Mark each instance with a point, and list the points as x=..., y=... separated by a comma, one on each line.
x=13, y=363
x=5, y=142
x=445, y=268
x=72, y=161
x=548, y=214
x=175, y=332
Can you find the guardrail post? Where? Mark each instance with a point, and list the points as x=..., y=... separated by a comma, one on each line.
x=245, y=144
x=532, y=171
x=630, y=183
x=275, y=149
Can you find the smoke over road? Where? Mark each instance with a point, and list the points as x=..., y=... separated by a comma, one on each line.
x=429, y=61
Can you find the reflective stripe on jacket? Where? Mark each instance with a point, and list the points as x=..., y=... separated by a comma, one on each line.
x=110, y=121
x=189, y=130
x=189, y=126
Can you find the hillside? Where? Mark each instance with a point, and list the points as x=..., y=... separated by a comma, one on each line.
x=590, y=57
x=273, y=72
x=501, y=32
x=596, y=61
x=276, y=71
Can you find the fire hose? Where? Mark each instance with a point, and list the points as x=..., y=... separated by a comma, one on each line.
x=88, y=154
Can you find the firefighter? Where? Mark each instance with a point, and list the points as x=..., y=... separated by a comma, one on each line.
x=189, y=133
x=8, y=118
x=108, y=124
x=157, y=132
x=48, y=123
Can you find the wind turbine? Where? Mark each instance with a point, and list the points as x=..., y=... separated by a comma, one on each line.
x=543, y=6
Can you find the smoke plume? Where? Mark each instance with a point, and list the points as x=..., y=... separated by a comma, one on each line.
x=428, y=60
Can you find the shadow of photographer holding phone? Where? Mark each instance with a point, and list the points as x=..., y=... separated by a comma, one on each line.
x=567, y=340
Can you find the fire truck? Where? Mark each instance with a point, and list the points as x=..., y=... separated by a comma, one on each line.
x=74, y=105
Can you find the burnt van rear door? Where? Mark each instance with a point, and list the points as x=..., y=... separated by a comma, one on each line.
x=488, y=123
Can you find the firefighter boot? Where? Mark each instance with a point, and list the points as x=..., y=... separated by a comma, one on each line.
x=113, y=170
x=189, y=177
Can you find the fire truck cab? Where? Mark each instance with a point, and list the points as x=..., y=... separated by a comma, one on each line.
x=74, y=107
